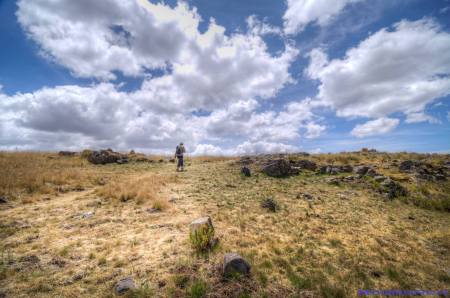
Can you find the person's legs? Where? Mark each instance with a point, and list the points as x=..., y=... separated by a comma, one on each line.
x=181, y=161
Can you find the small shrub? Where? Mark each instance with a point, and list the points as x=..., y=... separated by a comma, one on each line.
x=201, y=238
x=181, y=280
x=198, y=289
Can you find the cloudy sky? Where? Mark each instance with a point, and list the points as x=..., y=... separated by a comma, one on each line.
x=225, y=76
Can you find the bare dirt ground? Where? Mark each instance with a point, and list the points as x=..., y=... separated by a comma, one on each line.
x=340, y=239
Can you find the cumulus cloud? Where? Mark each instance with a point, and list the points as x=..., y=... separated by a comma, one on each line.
x=300, y=13
x=208, y=150
x=251, y=148
x=226, y=75
x=375, y=127
x=398, y=70
x=420, y=117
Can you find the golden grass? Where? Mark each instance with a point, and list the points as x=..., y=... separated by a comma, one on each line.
x=347, y=237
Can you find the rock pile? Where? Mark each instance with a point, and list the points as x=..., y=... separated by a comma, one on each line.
x=107, y=156
x=304, y=164
x=424, y=171
x=279, y=168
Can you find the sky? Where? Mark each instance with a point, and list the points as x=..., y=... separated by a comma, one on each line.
x=226, y=77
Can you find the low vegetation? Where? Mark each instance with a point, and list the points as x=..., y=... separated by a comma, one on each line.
x=73, y=229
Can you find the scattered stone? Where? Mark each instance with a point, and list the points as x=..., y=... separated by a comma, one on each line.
x=308, y=197
x=124, y=285
x=279, y=168
x=66, y=153
x=270, y=204
x=246, y=171
x=153, y=210
x=234, y=265
x=172, y=160
x=3, y=200
x=87, y=215
x=411, y=217
x=59, y=262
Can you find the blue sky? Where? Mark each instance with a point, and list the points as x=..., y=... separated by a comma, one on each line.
x=225, y=77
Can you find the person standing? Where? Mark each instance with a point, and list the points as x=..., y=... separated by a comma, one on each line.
x=179, y=151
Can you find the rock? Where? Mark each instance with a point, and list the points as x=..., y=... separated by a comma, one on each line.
x=201, y=223
x=308, y=197
x=86, y=215
x=278, y=168
x=246, y=160
x=270, y=204
x=153, y=210
x=346, y=169
x=124, y=285
x=408, y=165
x=66, y=153
x=3, y=200
x=246, y=171
x=106, y=156
x=234, y=265
x=122, y=161
x=361, y=170
x=371, y=172
x=379, y=178
x=199, y=229
x=392, y=189
x=172, y=160
x=305, y=164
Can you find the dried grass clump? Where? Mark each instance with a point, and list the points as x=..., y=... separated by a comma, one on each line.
x=24, y=173
x=140, y=190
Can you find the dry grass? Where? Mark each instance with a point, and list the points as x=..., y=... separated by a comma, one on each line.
x=347, y=237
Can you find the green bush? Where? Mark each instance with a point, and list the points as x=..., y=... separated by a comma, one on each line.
x=201, y=238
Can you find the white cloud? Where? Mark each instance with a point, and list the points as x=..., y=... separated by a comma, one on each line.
x=399, y=70
x=300, y=13
x=375, y=127
x=208, y=150
x=251, y=148
x=420, y=117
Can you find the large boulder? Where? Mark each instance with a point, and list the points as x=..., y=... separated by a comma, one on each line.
x=106, y=156
x=124, y=286
x=408, y=165
x=279, y=168
x=234, y=266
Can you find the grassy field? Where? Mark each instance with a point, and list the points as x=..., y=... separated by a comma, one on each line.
x=73, y=229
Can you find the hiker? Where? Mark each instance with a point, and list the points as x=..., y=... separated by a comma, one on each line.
x=179, y=154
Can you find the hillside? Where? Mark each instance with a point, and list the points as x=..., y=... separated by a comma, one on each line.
x=327, y=228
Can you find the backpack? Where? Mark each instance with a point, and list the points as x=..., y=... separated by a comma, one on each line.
x=179, y=151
